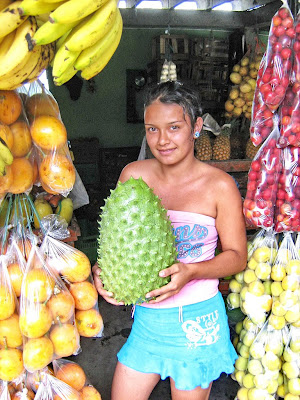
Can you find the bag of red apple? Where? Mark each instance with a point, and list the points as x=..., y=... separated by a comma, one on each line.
x=262, y=118
x=75, y=269
x=73, y=374
x=287, y=215
x=289, y=110
x=52, y=388
x=47, y=315
x=276, y=73
x=11, y=364
x=262, y=183
x=285, y=287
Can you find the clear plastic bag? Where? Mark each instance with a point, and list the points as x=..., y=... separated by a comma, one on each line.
x=287, y=216
x=73, y=374
x=276, y=74
x=262, y=183
x=52, y=388
x=75, y=269
x=47, y=315
x=286, y=275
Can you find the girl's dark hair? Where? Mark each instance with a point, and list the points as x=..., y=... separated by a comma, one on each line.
x=171, y=92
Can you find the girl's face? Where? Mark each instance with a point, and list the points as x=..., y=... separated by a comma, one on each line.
x=169, y=132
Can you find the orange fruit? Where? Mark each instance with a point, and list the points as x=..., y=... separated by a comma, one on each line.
x=89, y=322
x=48, y=132
x=11, y=364
x=6, y=180
x=89, y=392
x=84, y=294
x=76, y=268
x=37, y=353
x=10, y=106
x=22, y=175
x=65, y=339
x=57, y=172
x=16, y=277
x=25, y=246
x=10, y=333
x=61, y=306
x=41, y=104
x=35, y=172
x=72, y=374
x=7, y=302
x=38, y=285
x=22, y=139
x=33, y=379
x=7, y=135
x=35, y=321
x=71, y=395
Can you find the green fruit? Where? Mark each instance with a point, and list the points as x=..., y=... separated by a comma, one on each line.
x=136, y=242
x=65, y=209
x=42, y=208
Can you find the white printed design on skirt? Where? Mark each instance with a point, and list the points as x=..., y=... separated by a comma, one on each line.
x=203, y=331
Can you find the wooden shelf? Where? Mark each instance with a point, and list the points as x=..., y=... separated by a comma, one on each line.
x=231, y=165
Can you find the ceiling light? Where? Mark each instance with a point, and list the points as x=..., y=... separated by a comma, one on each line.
x=186, y=5
x=223, y=7
x=122, y=4
x=150, y=4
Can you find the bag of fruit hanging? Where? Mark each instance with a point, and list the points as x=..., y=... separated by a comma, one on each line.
x=262, y=183
x=11, y=360
x=289, y=110
x=52, y=388
x=34, y=379
x=287, y=216
x=16, y=169
x=291, y=357
x=47, y=315
x=255, y=294
x=262, y=375
x=75, y=269
x=73, y=374
x=275, y=76
x=285, y=287
x=55, y=166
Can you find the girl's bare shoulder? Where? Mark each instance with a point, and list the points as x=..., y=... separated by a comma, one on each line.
x=137, y=169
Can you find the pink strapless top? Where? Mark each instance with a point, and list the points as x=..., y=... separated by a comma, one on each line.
x=196, y=240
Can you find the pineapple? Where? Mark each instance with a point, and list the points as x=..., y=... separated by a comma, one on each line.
x=203, y=147
x=136, y=241
x=221, y=147
x=251, y=150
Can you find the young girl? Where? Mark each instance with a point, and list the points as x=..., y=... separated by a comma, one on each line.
x=183, y=334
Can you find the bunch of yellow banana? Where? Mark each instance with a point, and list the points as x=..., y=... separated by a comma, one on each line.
x=6, y=157
x=86, y=33
x=20, y=60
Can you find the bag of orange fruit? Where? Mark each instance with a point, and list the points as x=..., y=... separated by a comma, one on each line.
x=49, y=135
x=73, y=374
x=75, y=269
x=15, y=132
x=11, y=358
x=47, y=315
x=52, y=388
x=16, y=265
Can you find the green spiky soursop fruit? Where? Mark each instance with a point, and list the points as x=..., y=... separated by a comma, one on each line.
x=136, y=241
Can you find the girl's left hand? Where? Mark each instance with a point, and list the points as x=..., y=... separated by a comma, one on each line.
x=180, y=276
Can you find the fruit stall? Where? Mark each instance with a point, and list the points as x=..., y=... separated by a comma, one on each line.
x=53, y=184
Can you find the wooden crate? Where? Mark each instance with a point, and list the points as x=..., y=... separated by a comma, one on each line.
x=174, y=46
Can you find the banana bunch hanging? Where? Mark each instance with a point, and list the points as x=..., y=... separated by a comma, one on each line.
x=71, y=35
x=168, y=72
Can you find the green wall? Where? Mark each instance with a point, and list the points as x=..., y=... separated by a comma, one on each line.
x=102, y=114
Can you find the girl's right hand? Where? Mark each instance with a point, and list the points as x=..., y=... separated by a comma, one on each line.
x=108, y=296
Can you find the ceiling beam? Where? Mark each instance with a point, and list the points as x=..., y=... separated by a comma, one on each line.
x=200, y=19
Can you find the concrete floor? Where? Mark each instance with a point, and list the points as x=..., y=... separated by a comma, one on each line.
x=98, y=357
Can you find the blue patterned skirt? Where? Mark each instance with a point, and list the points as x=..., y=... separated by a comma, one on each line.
x=190, y=344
